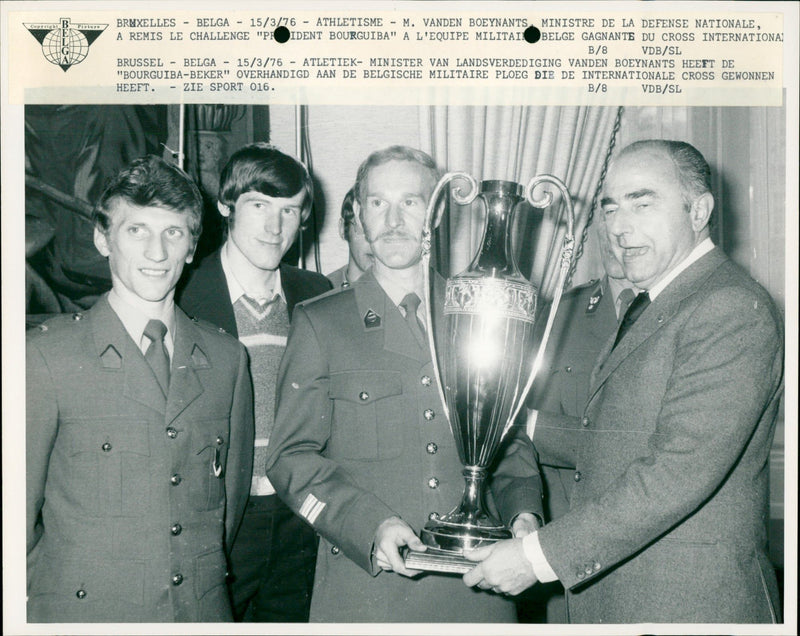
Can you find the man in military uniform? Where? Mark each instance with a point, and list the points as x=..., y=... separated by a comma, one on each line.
x=139, y=428
x=361, y=447
x=586, y=317
x=360, y=257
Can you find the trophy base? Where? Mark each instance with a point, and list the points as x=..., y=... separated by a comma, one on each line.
x=454, y=537
x=447, y=542
x=433, y=560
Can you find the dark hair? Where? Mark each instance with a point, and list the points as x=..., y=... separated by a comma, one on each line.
x=151, y=182
x=348, y=213
x=392, y=153
x=694, y=173
x=260, y=167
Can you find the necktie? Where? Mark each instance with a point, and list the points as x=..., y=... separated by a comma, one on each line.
x=156, y=354
x=638, y=305
x=624, y=301
x=410, y=303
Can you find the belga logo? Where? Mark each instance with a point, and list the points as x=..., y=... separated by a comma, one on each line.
x=65, y=43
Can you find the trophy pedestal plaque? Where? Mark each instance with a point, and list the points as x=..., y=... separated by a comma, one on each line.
x=482, y=360
x=467, y=527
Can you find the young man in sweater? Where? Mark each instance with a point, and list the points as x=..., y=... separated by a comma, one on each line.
x=245, y=289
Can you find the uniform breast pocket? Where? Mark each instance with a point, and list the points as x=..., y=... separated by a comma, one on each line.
x=367, y=415
x=206, y=464
x=108, y=467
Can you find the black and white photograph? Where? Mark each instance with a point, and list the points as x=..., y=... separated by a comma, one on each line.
x=424, y=362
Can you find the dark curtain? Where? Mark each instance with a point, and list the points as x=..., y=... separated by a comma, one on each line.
x=70, y=154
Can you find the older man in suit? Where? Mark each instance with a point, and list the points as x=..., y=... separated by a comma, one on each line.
x=139, y=428
x=667, y=520
x=361, y=447
x=586, y=316
x=246, y=289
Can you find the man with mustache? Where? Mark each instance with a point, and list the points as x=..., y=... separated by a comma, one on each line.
x=667, y=518
x=361, y=447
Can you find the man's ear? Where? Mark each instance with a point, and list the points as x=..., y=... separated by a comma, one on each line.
x=701, y=210
x=341, y=229
x=101, y=242
x=224, y=210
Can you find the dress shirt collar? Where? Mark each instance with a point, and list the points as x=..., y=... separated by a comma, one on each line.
x=701, y=249
x=135, y=321
x=235, y=288
x=615, y=288
x=396, y=292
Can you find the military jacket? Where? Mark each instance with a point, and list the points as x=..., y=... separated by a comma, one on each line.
x=360, y=436
x=130, y=493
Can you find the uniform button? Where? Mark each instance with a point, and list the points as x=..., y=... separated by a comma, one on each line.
x=425, y=380
x=577, y=476
x=429, y=414
x=106, y=447
x=81, y=594
x=568, y=369
x=177, y=579
x=334, y=549
x=175, y=479
x=585, y=421
x=432, y=448
x=220, y=440
x=580, y=574
x=172, y=433
x=221, y=330
x=433, y=482
x=176, y=529
x=42, y=327
x=433, y=516
x=363, y=396
x=77, y=316
x=589, y=570
x=596, y=567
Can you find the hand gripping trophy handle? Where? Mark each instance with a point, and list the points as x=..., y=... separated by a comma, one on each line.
x=483, y=347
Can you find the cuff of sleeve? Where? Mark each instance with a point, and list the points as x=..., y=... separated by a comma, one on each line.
x=533, y=551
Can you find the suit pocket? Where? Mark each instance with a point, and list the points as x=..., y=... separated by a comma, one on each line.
x=85, y=590
x=206, y=464
x=367, y=415
x=107, y=465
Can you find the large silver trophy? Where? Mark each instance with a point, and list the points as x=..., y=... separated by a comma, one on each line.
x=485, y=365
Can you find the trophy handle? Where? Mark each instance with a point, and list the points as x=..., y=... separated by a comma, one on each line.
x=427, y=236
x=567, y=250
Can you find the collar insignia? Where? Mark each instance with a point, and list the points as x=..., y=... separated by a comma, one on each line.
x=371, y=319
x=594, y=300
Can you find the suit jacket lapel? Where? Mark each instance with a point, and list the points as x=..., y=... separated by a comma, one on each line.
x=290, y=287
x=660, y=311
x=211, y=297
x=188, y=355
x=117, y=350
